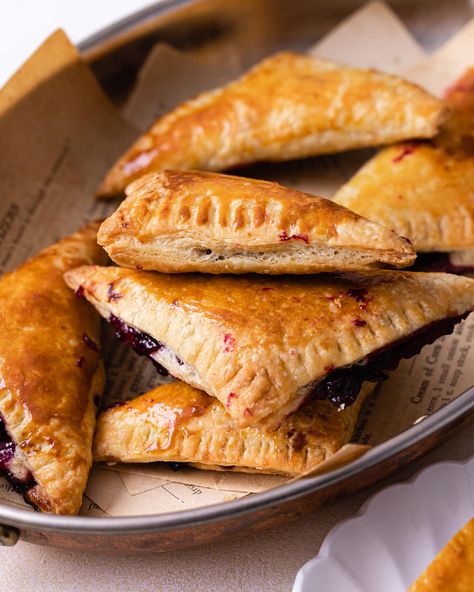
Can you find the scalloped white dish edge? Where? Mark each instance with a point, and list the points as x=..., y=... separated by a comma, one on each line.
x=395, y=535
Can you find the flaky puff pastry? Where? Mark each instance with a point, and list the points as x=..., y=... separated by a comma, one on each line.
x=176, y=422
x=453, y=568
x=182, y=221
x=260, y=344
x=424, y=190
x=288, y=106
x=51, y=374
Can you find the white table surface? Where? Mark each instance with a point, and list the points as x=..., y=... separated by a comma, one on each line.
x=268, y=561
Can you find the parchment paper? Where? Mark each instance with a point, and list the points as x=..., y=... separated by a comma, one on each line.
x=59, y=134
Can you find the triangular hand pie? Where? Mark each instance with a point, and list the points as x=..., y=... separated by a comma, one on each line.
x=424, y=190
x=176, y=422
x=452, y=570
x=262, y=345
x=51, y=376
x=288, y=106
x=182, y=221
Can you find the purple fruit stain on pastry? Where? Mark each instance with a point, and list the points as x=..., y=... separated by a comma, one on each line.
x=230, y=396
x=80, y=362
x=116, y=404
x=359, y=322
x=341, y=386
x=142, y=343
x=405, y=151
x=22, y=483
x=113, y=295
x=286, y=237
x=80, y=292
x=229, y=343
x=89, y=342
x=359, y=294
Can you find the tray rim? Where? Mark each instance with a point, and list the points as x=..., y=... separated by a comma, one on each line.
x=445, y=417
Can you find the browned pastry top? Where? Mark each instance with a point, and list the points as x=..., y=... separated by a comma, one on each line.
x=261, y=338
x=252, y=225
x=424, y=190
x=453, y=569
x=288, y=106
x=50, y=370
x=176, y=422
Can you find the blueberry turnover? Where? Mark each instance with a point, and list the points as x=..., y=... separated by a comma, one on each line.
x=288, y=106
x=178, y=423
x=182, y=221
x=424, y=190
x=262, y=345
x=51, y=376
x=453, y=568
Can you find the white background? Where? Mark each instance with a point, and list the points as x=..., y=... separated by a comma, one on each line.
x=266, y=562
x=24, y=24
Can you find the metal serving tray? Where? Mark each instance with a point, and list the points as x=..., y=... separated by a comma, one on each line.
x=253, y=28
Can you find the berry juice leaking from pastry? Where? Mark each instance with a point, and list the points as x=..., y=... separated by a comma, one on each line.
x=264, y=345
x=51, y=376
x=14, y=467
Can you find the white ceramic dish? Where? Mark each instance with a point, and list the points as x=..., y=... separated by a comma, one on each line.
x=397, y=533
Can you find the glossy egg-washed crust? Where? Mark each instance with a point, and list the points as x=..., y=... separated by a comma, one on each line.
x=424, y=190
x=453, y=568
x=182, y=221
x=253, y=341
x=176, y=422
x=288, y=106
x=49, y=373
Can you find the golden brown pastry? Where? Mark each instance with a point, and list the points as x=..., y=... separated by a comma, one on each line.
x=453, y=568
x=182, y=221
x=288, y=106
x=51, y=376
x=263, y=344
x=176, y=422
x=424, y=190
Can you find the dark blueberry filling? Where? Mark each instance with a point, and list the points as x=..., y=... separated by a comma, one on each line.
x=342, y=386
x=438, y=262
x=142, y=343
x=89, y=342
x=7, y=452
x=176, y=466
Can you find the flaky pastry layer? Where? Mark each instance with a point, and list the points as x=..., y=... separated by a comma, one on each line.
x=183, y=221
x=176, y=422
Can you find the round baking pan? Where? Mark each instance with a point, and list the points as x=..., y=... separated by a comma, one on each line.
x=252, y=28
